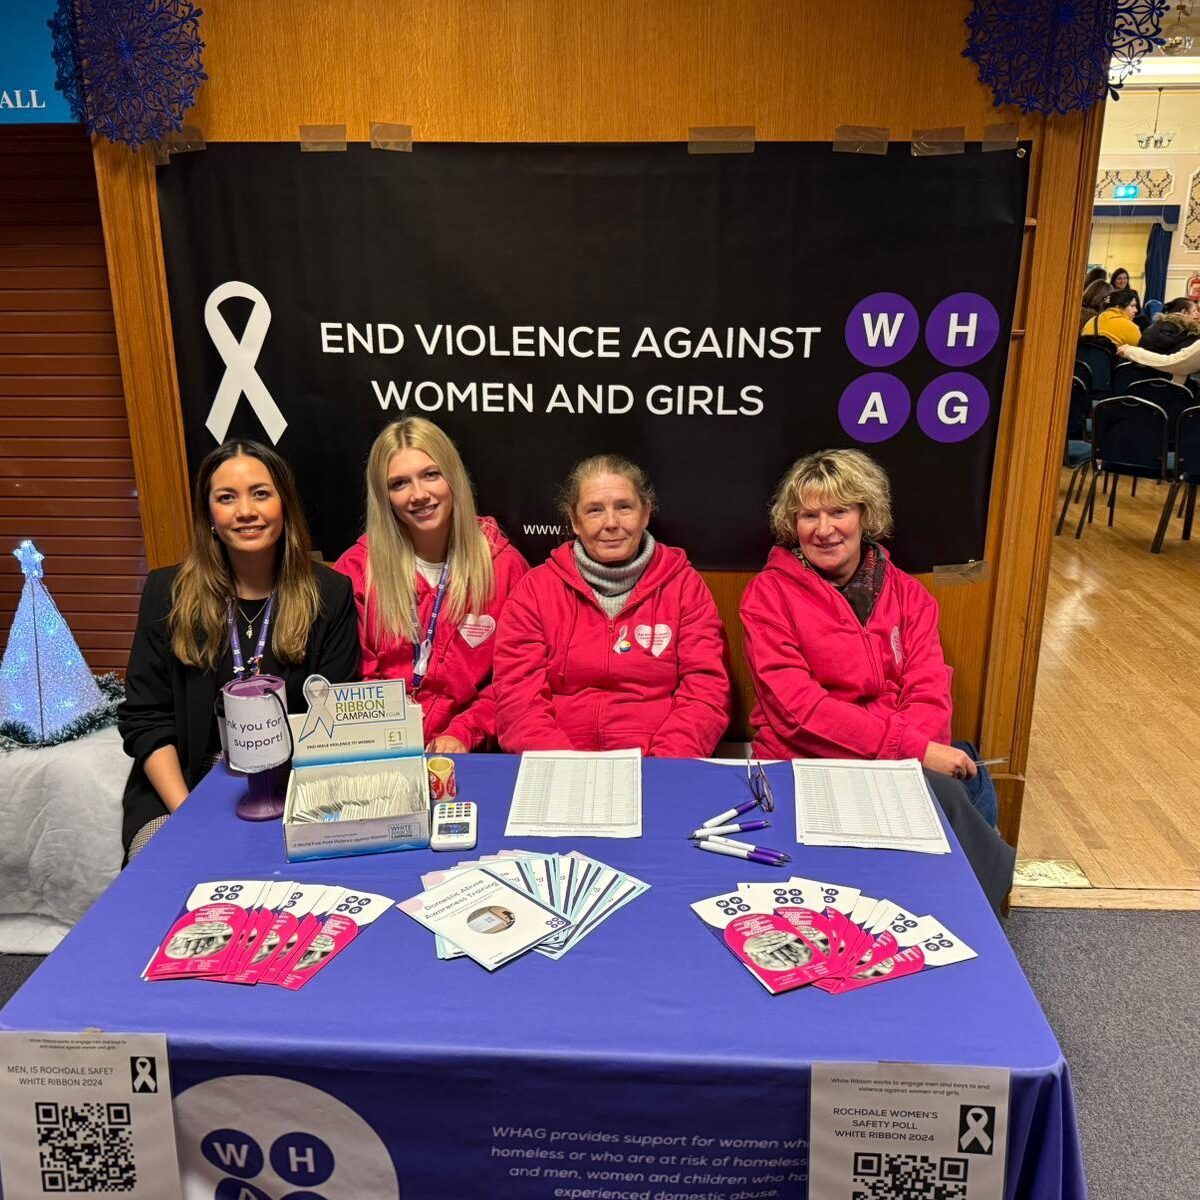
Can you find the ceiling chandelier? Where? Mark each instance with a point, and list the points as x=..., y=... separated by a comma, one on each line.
x=1156, y=139
x=1176, y=38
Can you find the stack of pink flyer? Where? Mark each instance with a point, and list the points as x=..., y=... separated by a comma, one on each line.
x=803, y=931
x=262, y=931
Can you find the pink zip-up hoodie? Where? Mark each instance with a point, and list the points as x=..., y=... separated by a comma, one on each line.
x=456, y=696
x=568, y=677
x=826, y=686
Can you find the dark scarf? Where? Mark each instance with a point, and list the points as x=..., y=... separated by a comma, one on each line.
x=863, y=588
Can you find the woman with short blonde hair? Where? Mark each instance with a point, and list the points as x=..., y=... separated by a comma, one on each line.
x=843, y=646
x=430, y=580
x=847, y=477
x=882, y=693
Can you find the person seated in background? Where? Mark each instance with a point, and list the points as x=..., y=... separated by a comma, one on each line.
x=247, y=599
x=844, y=652
x=1095, y=300
x=615, y=640
x=1184, y=305
x=1175, y=328
x=430, y=582
x=1119, y=280
x=1172, y=343
x=1116, y=322
x=1096, y=274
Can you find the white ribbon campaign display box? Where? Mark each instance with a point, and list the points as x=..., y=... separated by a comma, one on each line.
x=359, y=783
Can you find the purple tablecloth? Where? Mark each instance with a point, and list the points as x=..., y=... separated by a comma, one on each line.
x=647, y=1036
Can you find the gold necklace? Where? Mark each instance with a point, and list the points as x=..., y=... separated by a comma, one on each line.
x=250, y=620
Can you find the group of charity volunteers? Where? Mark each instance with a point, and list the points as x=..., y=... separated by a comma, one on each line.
x=613, y=642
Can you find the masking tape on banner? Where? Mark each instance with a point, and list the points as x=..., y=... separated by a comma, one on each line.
x=861, y=139
x=1001, y=137
x=391, y=137
x=928, y=142
x=974, y=571
x=179, y=141
x=322, y=137
x=721, y=139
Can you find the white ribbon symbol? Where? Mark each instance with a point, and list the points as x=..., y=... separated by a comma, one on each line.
x=143, y=1081
x=976, y=1132
x=322, y=707
x=240, y=378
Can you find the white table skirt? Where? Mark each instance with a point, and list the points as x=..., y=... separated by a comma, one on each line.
x=60, y=836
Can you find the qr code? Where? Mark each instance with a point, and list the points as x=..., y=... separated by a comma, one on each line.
x=85, y=1147
x=909, y=1177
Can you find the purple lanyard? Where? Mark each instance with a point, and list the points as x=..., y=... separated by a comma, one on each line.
x=423, y=650
x=240, y=669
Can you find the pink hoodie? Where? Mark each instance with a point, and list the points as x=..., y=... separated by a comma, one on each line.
x=569, y=678
x=456, y=696
x=827, y=687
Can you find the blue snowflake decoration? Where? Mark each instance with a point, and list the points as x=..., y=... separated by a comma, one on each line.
x=1060, y=56
x=128, y=68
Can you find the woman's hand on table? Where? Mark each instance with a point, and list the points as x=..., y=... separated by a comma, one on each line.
x=949, y=760
x=445, y=744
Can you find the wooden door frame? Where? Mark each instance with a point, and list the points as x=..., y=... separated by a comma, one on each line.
x=1026, y=473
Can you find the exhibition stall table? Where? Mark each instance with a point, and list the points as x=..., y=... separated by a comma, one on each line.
x=647, y=1062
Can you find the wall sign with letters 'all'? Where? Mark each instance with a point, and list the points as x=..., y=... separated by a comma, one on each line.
x=713, y=317
x=27, y=94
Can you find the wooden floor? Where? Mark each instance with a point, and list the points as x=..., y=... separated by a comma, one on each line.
x=1113, y=779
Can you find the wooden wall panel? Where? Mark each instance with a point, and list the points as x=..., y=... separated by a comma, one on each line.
x=66, y=464
x=628, y=70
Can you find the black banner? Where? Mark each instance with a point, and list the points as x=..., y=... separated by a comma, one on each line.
x=713, y=317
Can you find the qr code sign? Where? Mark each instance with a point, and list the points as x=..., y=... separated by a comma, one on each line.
x=909, y=1177
x=85, y=1147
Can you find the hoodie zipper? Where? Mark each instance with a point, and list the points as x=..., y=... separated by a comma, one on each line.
x=868, y=647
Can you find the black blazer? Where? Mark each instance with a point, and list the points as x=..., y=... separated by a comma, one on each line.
x=168, y=703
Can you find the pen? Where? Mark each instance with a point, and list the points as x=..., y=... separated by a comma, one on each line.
x=724, y=841
x=730, y=814
x=989, y=762
x=718, y=830
x=734, y=852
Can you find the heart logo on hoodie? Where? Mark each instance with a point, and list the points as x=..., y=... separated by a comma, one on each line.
x=476, y=630
x=655, y=641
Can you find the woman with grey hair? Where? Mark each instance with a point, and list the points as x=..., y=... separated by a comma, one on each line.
x=843, y=647
x=615, y=640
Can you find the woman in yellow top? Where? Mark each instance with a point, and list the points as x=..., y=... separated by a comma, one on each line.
x=1116, y=321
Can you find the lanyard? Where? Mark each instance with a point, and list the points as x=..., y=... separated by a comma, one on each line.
x=423, y=650
x=245, y=670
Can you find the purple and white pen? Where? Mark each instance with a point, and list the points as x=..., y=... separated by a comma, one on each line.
x=733, y=852
x=720, y=830
x=730, y=814
x=724, y=841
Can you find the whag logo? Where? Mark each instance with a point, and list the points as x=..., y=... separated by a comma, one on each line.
x=240, y=357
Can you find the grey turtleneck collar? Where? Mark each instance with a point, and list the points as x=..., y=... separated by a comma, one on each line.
x=612, y=584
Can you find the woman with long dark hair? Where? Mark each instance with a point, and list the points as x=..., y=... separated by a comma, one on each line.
x=247, y=599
